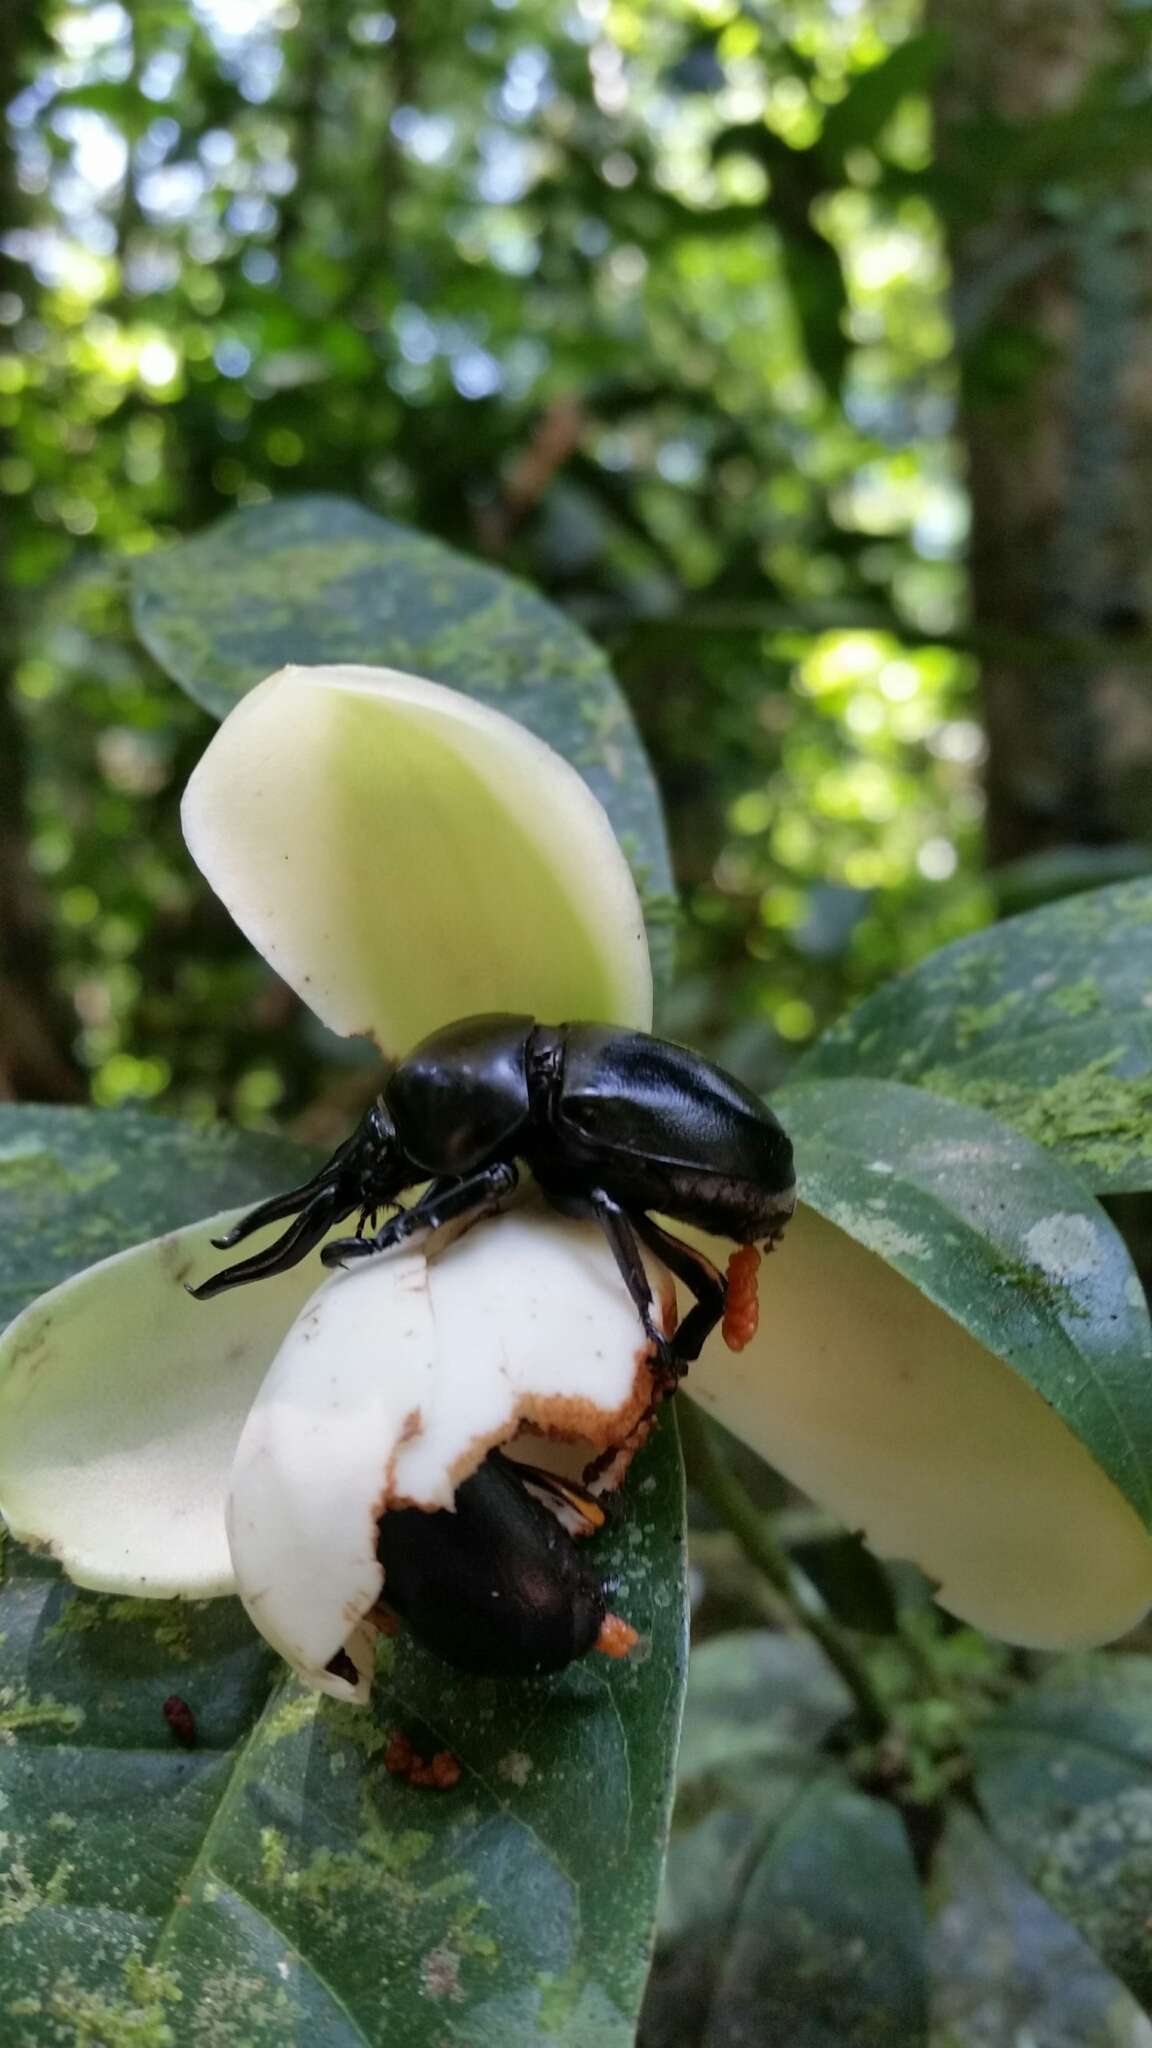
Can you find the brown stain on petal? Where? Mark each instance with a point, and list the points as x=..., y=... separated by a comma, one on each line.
x=616, y=1433
x=31, y=1353
x=411, y=1428
x=175, y=1259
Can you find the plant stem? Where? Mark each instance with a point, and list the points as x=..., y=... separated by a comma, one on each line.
x=720, y=1487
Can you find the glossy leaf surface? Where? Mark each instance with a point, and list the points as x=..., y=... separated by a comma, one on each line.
x=792, y=1911
x=1045, y=1020
x=999, y=1235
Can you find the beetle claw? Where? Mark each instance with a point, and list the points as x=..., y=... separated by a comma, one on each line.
x=344, y=1251
x=667, y=1367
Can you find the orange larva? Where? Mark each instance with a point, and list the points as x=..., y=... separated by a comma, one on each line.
x=742, y=1309
x=616, y=1638
x=439, y=1774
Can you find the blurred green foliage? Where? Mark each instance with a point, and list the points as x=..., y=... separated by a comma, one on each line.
x=645, y=301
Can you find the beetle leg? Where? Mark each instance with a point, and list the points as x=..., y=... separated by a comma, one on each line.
x=397, y=1228
x=620, y=1231
x=558, y=1493
x=444, y=1202
x=699, y=1274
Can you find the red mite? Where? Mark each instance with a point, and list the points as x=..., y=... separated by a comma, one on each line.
x=181, y=1720
x=742, y=1309
x=439, y=1774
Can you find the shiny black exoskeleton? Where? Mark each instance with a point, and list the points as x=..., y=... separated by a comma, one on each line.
x=496, y=1587
x=611, y=1123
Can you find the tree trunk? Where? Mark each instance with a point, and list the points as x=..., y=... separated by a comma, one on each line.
x=1052, y=270
x=36, y=1025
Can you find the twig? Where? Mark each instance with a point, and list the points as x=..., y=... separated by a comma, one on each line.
x=713, y=1478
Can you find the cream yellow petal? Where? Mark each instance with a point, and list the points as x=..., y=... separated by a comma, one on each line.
x=884, y=1409
x=121, y=1403
x=403, y=856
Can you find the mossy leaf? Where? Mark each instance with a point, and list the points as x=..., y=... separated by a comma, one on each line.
x=1001, y=1237
x=320, y=580
x=1065, y=1779
x=1046, y=1020
x=273, y=1883
x=1006, y=1967
x=77, y=1185
x=792, y=1910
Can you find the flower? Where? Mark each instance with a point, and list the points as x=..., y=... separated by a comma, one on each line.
x=403, y=857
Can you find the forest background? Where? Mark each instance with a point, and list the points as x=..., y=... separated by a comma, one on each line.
x=733, y=328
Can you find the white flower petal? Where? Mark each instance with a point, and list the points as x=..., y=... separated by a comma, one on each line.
x=883, y=1408
x=404, y=856
x=121, y=1402
x=393, y=1383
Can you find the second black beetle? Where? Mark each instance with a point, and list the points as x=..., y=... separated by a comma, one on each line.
x=611, y=1123
x=498, y=1585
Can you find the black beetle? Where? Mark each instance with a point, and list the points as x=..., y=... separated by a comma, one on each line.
x=497, y=1586
x=611, y=1124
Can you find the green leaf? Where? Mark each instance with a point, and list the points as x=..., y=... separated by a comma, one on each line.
x=77, y=1185
x=791, y=1911
x=1037, y=879
x=1003, y=1238
x=828, y=1942
x=856, y=121
x=1065, y=1779
x=853, y=1583
x=754, y=1696
x=1045, y=1020
x=275, y=1879
x=311, y=580
x=1005, y=1967
x=119, y=100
